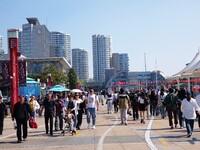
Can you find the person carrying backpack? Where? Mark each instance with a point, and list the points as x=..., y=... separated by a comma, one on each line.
x=171, y=102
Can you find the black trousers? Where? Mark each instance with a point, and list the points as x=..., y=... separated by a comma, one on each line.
x=21, y=124
x=135, y=112
x=172, y=114
x=47, y=118
x=1, y=124
x=79, y=118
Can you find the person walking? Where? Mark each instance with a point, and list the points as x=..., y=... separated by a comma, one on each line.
x=59, y=113
x=92, y=104
x=21, y=113
x=50, y=111
x=134, y=104
x=72, y=106
x=170, y=102
x=124, y=103
x=80, y=107
x=3, y=113
x=189, y=107
x=161, y=107
x=115, y=102
x=142, y=99
x=153, y=102
x=34, y=106
x=198, y=102
x=40, y=102
x=109, y=102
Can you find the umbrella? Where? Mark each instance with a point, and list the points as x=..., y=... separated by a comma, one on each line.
x=58, y=88
x=76, y=91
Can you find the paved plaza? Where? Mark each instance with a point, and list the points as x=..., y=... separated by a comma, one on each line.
x=108, y=135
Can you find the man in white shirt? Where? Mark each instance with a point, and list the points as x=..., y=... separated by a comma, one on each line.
x=198, y=102
x=189, y=107
x=92, y=104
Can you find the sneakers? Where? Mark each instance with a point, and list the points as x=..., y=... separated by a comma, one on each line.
x=189, y=135
x=25, y=139
x=88, y=126
x=93, y=127
x=126, y=124
x=172, y=127
x=19, y=141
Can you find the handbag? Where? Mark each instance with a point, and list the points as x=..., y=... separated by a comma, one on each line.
x=33, y=124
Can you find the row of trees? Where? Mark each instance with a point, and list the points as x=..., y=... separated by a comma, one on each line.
x=57, y=76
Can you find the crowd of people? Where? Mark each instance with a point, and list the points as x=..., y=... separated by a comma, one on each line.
x=179, y=105
x=68, y=109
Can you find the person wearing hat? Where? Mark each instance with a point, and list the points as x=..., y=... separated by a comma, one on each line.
x=21, y=113
x=124, y=103
x=189, y=107
x=3, y=113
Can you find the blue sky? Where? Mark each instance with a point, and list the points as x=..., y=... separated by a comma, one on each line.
x=166, y=30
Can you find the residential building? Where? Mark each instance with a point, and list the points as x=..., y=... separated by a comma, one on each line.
x=101, y=56
x=34, y=39
x=120, y=62
x=1, y=46
x=80, y=63
x=60, y=45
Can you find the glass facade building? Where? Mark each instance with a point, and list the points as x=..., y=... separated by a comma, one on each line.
x=101, y=46
x=80, y=63
x=60, y=45
x=34, y=39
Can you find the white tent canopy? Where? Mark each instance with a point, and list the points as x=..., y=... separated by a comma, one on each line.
x=191, y=67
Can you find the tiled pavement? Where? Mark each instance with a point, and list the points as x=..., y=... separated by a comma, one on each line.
x=117, y=137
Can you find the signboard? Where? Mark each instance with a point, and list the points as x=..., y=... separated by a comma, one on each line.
x=5, y=73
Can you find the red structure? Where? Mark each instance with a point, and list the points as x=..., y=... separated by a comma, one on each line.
x=14, y=77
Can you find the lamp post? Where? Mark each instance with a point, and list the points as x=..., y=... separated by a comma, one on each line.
x=14, y=79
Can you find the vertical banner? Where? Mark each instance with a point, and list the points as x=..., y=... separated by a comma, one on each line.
x=22, y=73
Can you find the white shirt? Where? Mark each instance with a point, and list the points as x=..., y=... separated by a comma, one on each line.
x=189, y=108
x=198, y=99
x=140, y=100
x=78, y=103
x=91, y=101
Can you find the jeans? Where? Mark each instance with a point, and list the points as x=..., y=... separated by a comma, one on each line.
x=59, y=118
x=162, y=111
x=189, y=125
x=91, y=112
x=34, y=115
x=181, y=119
x=20, y=123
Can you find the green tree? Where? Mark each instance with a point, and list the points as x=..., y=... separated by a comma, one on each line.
x=72, y=79
x=57, y=75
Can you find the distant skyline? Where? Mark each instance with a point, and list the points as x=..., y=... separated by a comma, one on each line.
x=167, y=31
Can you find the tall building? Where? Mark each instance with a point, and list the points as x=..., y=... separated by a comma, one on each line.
x=34, y=39
x=120, y=62
x=1, y=46
x=101, y=46
x=80, y=63
x=60, y=45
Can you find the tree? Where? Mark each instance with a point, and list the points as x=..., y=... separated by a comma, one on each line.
x=72, y=79
x=57, y=75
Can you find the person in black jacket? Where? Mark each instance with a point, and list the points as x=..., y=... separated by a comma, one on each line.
x=3, y=113
x=21, y=113
x=50, y=111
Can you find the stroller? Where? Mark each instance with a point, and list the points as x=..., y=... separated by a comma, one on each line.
x=69, y=117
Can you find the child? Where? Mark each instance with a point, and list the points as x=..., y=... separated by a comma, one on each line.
x=69, y=117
